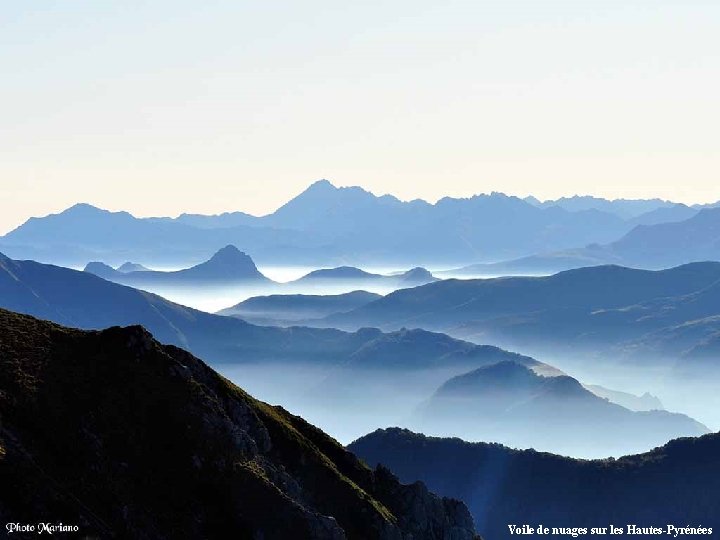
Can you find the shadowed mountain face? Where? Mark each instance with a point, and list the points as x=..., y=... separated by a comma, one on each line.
x=170, y=449
x=674, y=484
x=229, y=265
x=509, y=403
x=283, y=310
x=320, y=227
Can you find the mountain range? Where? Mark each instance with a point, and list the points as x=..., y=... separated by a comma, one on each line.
x=122, y=437
x=231, y=273
x=653, y=246
x=320, y=227
x=676, y=484
x=654, y=314
x=380, y=376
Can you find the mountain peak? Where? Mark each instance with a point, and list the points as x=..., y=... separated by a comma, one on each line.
x=131, y=267
x=228, y=262
x=418, y=275
x=100, y=269
x=229, y=252
x=322, y=185
x=87, y=209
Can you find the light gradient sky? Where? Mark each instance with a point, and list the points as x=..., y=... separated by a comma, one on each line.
x=160, y=107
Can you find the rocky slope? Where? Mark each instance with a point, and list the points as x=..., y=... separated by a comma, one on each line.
x=127, y=438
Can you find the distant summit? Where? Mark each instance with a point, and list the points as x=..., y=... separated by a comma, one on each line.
x=228, y=265
x=341, y=272
x=411, y=278
x=131, y=267
x=101, y=269
x=417, y=276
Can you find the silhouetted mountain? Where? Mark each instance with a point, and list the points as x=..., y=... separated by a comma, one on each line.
x=383, y=381
x=103, y=270
x=416, y=276
x=645, y=402
x=323, y=225
x=283, y=310
x=124, y=437
x=132, y=267
x=83, y=300
x=449, y=229
x=227, y=266
x=675, y=484
x=342, y=272
x=330, y=276
x=509, y=403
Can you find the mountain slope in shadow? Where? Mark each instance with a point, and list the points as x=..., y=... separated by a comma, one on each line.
x=128, y=438
x=674, y=484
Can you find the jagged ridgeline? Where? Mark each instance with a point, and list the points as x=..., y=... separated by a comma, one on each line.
x=124, y=437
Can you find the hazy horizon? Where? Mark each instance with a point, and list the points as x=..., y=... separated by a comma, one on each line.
x=164, y=107
x=6, y=226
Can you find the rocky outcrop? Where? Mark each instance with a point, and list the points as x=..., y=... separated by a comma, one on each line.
x=127, y=438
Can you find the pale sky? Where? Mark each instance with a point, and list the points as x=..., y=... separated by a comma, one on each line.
x=166, y=106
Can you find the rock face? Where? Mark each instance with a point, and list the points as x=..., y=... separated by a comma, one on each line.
x=124, y=437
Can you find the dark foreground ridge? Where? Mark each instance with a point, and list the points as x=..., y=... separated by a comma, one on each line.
x=124, y=437
x=675, y=484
